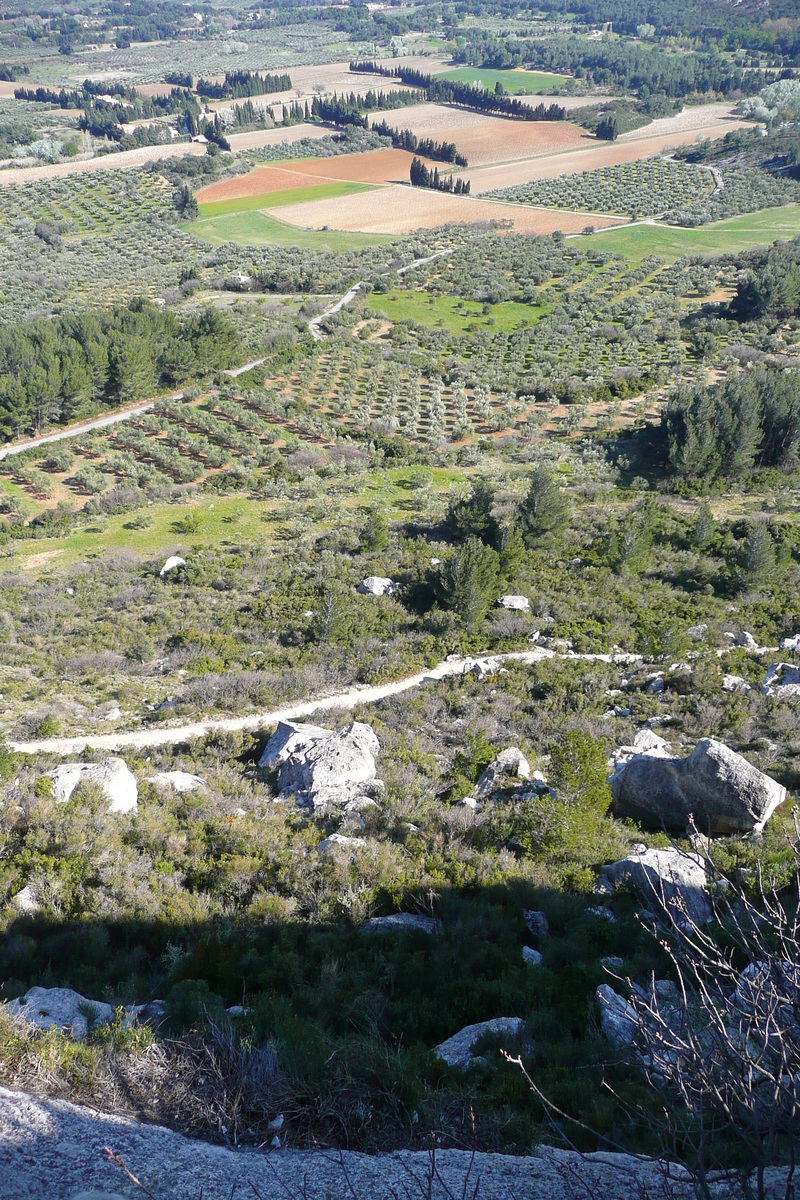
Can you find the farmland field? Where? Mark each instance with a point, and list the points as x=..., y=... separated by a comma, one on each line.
x=404, y=209
x=261, y=229
x=747, y=232
x=455, y=315
x=513, y=81
x=287, y=195
x=486, y=139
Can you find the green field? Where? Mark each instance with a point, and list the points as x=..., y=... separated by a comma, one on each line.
x=314, y=191
x=723, y=237
x=219, y=519
x=448, y=312
x=259, y=229
x=514, y=82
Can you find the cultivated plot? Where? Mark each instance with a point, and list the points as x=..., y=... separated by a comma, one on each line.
x=399, y=209
x=486, y=139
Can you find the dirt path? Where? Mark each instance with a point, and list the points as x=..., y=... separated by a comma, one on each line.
x=360, y=694
x=349, y=296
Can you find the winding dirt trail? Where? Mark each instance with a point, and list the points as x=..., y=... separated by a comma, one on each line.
x=360, y=694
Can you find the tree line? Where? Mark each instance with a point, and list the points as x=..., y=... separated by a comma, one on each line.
x=630, y=65
x=404, y=139
x=448, y=91
x=240, y=84
x=720, y=434
x=60, y=370
x=422, y=176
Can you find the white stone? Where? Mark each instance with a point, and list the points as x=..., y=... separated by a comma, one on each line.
x=172, y=562
x=340, y=841
x=508, y=762
x=178, y=781
x=735, y=683
x=697, y=632
x=61, y=1009
x=617, y=1018
x=746, y=641
x=671, y=881
x=291, y=737
x=603, y=913
x=519, y=603
x=791, y=643
x=402, y=923
x=377, y=585
x=112, y=775
x=532, y=957
x=457, y=1050
x=782, y=679
x=26, y=900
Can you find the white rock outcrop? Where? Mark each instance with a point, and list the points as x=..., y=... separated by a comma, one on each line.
x=172, y=563
x=510, y=762
x=113, y=775
x=377, y=585
x=457, y=1050
x=790, y=643
x=340, y=841
x=532, y=957
x=735, y=683
x=714, y=785
x=178, y=781
x=782, y=679
x=61, y=1009
x=670, y=882
x=325, y=768
x=402, y=923
x=644, y=743
x=746, y=641
x=618, y=1019
x=517, y=603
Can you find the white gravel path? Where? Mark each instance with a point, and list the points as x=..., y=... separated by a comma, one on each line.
x=167, y=735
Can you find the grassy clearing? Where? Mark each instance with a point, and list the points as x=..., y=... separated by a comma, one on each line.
x=258, y=229
x=215, y=521
x=314, y=191
x=451, y=313
x=514, y=82
x=723, y=237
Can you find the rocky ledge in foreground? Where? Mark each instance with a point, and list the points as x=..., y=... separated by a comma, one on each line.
x=53, y=1150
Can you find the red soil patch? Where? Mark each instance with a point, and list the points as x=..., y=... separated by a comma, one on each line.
x=374, y=166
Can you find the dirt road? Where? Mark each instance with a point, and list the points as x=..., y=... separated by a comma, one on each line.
x=360, y=694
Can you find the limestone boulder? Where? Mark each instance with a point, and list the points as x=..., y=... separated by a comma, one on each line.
x=112, y=775
x=532, y=957
x=378, y=585
x=172, y=564
x=516, y=603
x=618, y=1019
x=325, y=768
x=508, y=763
x=782, y=679
x=714, y=785
x=290, y=738
x=791, y=643
x=178, y=781
x=340, y=841
x=670, y=882
x=402, y=923
x=644, y=743
x=746, y=641
x=457, y=1050
x=735, y=683
x=61, y=1009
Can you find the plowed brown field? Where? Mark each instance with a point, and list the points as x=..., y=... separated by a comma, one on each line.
x=592, y=155
x=486, y=139
x=375, y=166
x=396, y=209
